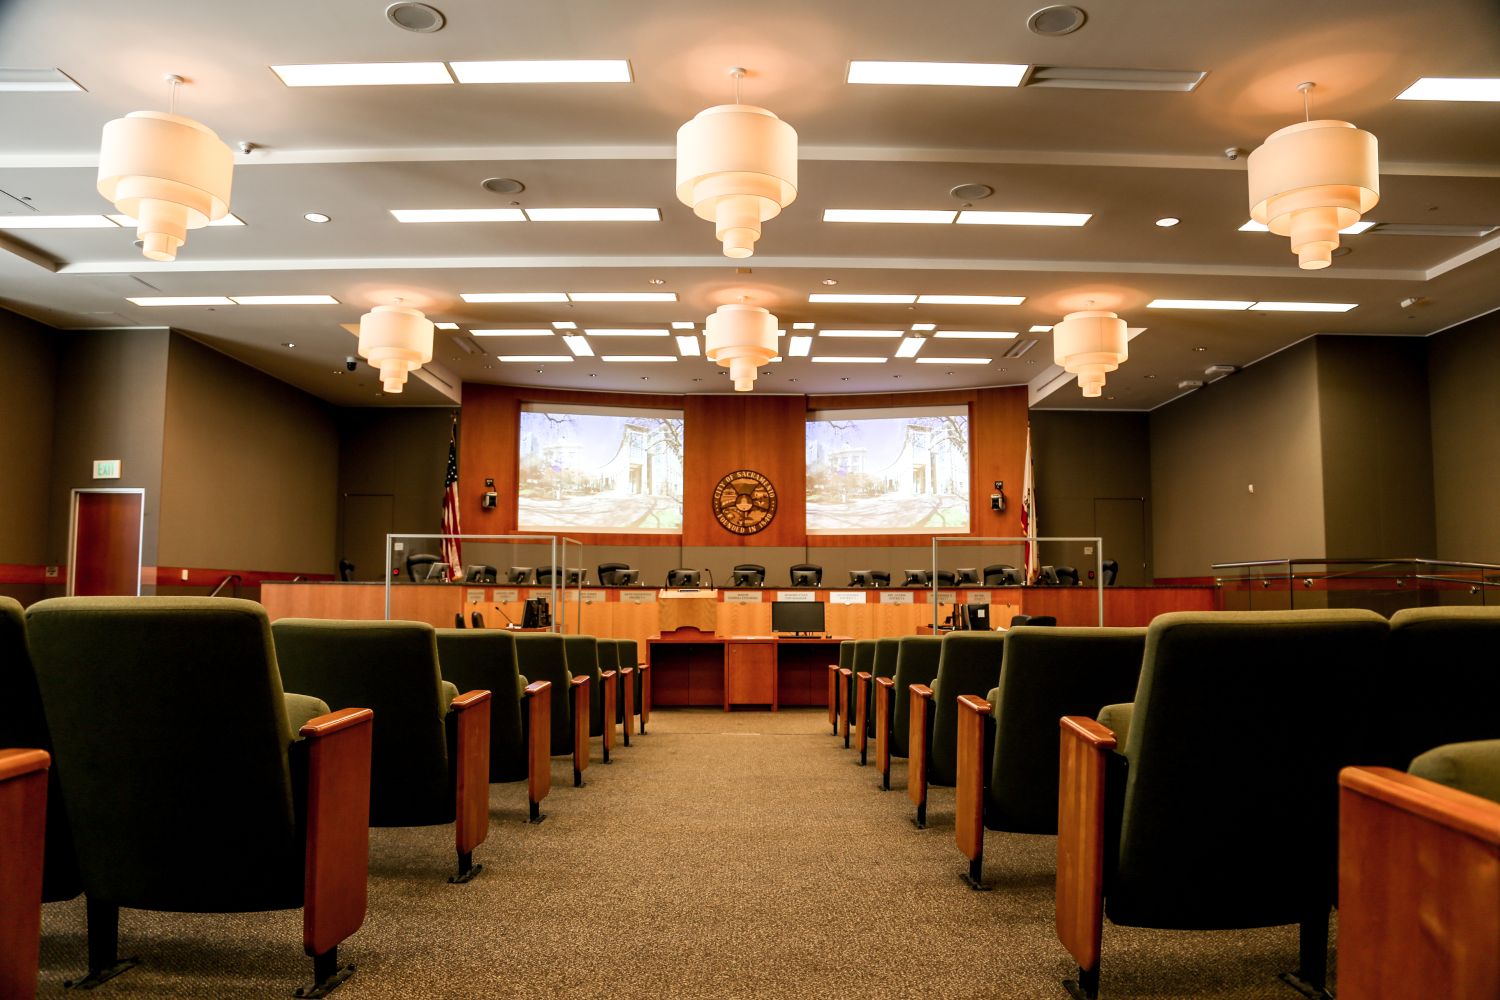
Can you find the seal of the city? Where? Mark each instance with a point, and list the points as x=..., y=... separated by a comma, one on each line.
x=744, y=502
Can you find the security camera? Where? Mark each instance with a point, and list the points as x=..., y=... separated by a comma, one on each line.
x=351, y=364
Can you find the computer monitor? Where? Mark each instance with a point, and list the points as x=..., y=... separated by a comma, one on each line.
x=575, y=577
x=978, y=617
x=918, y=578
x=438, y=573
x=1013, y=578
x=480, y=574
x=518, y=575
x=627, y=577
x=684, y=578
x=805, y=577
x=1047, y=577
x=861, y=578
x=803, y=617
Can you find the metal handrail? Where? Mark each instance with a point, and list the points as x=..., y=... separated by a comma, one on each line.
x=231, y=578
x=1359, y=562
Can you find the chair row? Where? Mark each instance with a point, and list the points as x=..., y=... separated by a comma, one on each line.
x=173, y=745
x=1197, y=784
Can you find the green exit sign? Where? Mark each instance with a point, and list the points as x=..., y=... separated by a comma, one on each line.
x=106, y=468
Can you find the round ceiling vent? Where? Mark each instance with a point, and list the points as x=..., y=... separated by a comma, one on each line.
x=1061, y=19
x=415, y=17
x=972, y=192
x=502, y=185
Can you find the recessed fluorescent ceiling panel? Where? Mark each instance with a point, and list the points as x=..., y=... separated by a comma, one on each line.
x=683, y=326
x=36, y=80
x=886, y=215
x=513, y=296
x=635, y=358
x=564, y=325
x=1310, y=307
x=595, y=332
x=1260, y=227
x=284, y=300
x=858, y=299
x=594, y=214
x=623, y=296
x=597, y=468
x=937, y=74
x=1233, y=305
x=687, y=346
x=1222, y=304
x=458, y=215
x=446, y=326
x=544, y=71
x=1090, y=78
x=800, y=347
x=910, y=346
x=804, y=326
x=859, y=333
x=362, y=74
x=953, y=361
x=850, y=361
x=522, y=359
x=579, y=346
x=510, y=333
x=180, y=300
x=1450, y=88
x=971, y=300
x=888, y=471
x=1040, y=328
x=228, y=220
x=972, y=218
x=56, y=222
x=976, y=334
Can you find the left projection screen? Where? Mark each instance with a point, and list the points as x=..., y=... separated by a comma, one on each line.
x=598, y=468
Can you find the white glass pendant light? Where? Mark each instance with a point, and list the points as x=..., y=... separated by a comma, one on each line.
x=741, y=338
x=1089, y=344
x=1311, y=179
x=397, y=340
x=167, y=172
x=736, y=167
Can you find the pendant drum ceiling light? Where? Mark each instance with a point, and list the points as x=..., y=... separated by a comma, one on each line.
x=1088, y=344
x=736, y=167
x=740, y=338
x=397, y=340
x=1311, y=179
x=167, y=172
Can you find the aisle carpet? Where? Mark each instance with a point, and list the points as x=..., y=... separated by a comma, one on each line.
x=741, y=856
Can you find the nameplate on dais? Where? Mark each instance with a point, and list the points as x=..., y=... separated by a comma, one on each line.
x=846, y=597
x=743, y=597
x=804, y=596
x=895, y=597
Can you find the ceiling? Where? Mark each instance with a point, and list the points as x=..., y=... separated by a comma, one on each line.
x=1126, y=157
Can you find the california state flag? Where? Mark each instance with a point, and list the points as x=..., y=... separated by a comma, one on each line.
x=1028, y=516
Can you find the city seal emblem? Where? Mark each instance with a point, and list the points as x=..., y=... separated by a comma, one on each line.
x=744, y=502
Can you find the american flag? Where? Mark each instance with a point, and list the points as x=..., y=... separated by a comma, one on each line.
x=452, y=551
x=1028, y=516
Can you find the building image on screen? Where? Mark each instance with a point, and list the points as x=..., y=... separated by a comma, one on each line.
x=600, y=469
x=888, y=471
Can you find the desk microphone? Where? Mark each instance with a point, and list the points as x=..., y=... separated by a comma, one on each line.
x=710, y=577
x=507, y=617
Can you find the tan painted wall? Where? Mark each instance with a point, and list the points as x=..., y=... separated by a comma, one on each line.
x=1466, y=439
x=26, y=406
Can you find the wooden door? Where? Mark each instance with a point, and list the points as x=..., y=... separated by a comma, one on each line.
x=366, y=518
x=1121, y=523
x=105, y=557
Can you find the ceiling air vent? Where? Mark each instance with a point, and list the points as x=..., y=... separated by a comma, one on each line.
x=1019, y=348
x=1190, y=383
x=1215, y=372
x=1089, y=78
x=1476, y=230
x=467, y=345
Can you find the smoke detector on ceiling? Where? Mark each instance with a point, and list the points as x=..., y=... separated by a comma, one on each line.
x=415, y=17
x=502, y=185
x=971, y=192
x=1060, y=19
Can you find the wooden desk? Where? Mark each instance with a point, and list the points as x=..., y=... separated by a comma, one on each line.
x=693, y=668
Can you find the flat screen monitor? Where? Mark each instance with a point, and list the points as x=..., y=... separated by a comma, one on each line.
x=438, y=573
x=518, y=574
x=684, y=578
x=747, y=578
x=978, y=617
x=918, y=578
x=861, y=578
x=797, y=616
x=480, y=574
x=627, y=577
x=805, y=577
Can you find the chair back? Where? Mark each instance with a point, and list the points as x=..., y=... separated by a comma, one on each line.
x=517, y=575
x=916, y=663
x=1048, y=673
x=546, y=574
x=966, y=576
x=392, y=669
x=485, y=660
x=968, y=664
x=418, y=564
x=806, y=575
x=541, y=657
x=582, y=653
x=947, y=578
x=610, y=573
x=864, y=661
x=476, y=619
x=1444, y=679
x=846, y=654
x=995, y=575
x=1041, y=621
x=173, y=750
x=1111, y=569
x=346, y=570
x=917, y=578
x=748, y=575
x=24, y=726
x=887, y=651
x=1241, y=722
x=1067, y=576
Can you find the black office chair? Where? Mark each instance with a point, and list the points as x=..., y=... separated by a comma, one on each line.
x=575, y=577
x=458, y=619
x=518, y=575
x=869, y=578
x=880, y=578
x=1111, y=569
x=544, y=575
x=1019, y=620
x=476, y=619
x=346, y=570
x=480, y=574
x=748, y=575
x=1043, y=621
x=967, y=576
x=917, y=578
x=995, y=575
x=419, y=564
x=807, y=575
x=946, y=578
x=1067, y=576
x=1047, y=577
x=683, y=577
x=612, y=573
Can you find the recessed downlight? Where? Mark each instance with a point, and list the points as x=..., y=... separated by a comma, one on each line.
x=1168, y=222
x=502, y=185
x=415, y=17
x=971, y=192
x=317, y=217
x=1059, y=19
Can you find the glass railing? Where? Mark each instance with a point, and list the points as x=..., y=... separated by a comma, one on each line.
x=1381, y=585
x=507, y=570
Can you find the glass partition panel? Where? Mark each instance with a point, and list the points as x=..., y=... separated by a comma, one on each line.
x=1381, y=585
x=485, y=579
x=1072, y=595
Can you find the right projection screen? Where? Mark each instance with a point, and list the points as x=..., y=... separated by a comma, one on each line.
x=888, y=471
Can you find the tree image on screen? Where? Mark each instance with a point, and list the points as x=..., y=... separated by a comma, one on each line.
x=888, y=475
x=600, y=471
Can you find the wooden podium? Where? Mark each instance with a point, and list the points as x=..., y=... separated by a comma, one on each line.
x=676, y=608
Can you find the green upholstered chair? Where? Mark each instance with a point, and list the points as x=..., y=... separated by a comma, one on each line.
x=582, y=652
x=520, y=711
x=23, y=725
x=917, y=660
x=23, y=827
x=618, y=655
x=886, y=652
x=968, y=663
x=1007, y=774
x=192, y=782
x=864, y=662
x=846, y=662
x=1222, y=810
x=430, y=765
x=1472, y=767
x=640, y=695
x=542, y=657
x=1446, y=678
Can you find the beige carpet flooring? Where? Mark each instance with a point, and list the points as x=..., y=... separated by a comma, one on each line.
x=736, y=856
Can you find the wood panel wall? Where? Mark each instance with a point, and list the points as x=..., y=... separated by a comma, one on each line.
x=723, y=433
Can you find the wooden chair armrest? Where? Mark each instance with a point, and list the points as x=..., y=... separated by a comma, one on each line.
x=23, y=833
x=921, y=690
x=14, y=763
x=862, y=714
x=538, y=722
x=833, y=688
x=337, y=857
x=974, y=703
x=968, y=828
x=627, y=702
x=885, y=690
x=1081, y=814
x=611, y=681
x=645, y=672
x=918, y=748
x=472, y=771
x=580, y=728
